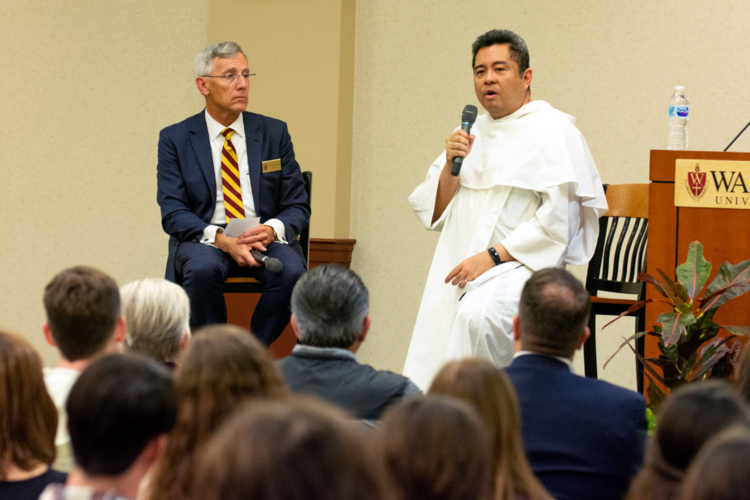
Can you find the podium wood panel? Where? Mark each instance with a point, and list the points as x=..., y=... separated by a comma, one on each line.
x=240, y=306
x=722, y=232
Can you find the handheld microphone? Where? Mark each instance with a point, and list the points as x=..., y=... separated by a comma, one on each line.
x=468, y=117
x=273, y=265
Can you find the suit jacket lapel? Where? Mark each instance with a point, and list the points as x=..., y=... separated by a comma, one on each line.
x=254, y=155
x=202, y=148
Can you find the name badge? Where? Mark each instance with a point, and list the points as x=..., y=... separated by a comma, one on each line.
x=271, y=165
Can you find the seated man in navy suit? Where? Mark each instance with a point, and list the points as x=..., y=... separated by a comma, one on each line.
x=330, y=307
x=226, y=163
x=584, y=437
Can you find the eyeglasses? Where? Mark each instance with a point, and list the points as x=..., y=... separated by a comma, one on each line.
x=232, y=77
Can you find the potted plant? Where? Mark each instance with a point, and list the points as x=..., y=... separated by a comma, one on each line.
x=687, y=337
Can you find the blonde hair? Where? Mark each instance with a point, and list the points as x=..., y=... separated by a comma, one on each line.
x=490, y=391
x=222, y=367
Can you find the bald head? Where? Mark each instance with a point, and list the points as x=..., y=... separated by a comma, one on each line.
x=553, y=313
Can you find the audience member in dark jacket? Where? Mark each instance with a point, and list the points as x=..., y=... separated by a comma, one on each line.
x=584, y=437
x=330, y=317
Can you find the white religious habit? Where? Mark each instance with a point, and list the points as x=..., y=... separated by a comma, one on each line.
x=529, y=183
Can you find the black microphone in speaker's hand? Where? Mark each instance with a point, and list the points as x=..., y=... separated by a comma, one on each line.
x=273, y=265
x=468, y=117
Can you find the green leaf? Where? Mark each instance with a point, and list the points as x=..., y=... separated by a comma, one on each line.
x=673, y=325
x=737, y=330
x=694, y=272
x=735, y=278
x=676, y=288
x=655, y=395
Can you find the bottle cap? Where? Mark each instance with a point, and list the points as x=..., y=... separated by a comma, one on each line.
x=679, y=87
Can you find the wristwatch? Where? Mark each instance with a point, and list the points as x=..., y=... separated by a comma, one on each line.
x=495, y=257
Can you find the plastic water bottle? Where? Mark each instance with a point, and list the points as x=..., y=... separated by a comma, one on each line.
x=679, y=109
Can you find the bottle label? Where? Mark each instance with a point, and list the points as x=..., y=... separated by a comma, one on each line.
x=679, y=111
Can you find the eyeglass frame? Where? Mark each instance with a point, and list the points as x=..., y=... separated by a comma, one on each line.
x=231, y=77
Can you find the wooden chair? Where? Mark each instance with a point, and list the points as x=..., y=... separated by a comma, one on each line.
x=238, y=284
x=619, y=258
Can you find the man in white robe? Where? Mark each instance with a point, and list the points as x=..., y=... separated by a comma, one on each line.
x=528, y=192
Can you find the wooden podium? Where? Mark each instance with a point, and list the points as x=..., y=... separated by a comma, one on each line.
x=724, y=233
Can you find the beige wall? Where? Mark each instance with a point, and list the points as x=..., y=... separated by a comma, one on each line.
x=611, y=64
x=86, y=88
x=304, y=77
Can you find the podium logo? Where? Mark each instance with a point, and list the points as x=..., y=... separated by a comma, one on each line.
x=712, y=183
x=696, y=183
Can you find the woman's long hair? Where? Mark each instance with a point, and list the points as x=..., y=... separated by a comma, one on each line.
x=689, y=417
x=490, y=391
x=28, y=417
x=222, y=367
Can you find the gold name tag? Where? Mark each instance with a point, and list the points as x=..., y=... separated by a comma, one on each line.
x=271, y=165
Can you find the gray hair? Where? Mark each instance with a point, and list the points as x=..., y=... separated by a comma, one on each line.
x=329, y=304
x=157, y=316
x=203, y=63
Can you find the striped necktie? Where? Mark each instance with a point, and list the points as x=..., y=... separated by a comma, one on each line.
x=230, y=179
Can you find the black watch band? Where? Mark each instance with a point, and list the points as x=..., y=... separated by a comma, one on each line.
x=495, y=257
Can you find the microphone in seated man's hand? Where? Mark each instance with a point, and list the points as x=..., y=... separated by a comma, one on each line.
x=273, y=265
x=468, y=117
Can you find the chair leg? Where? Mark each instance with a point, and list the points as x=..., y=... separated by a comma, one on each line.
x=589, y=350
x=640, y=348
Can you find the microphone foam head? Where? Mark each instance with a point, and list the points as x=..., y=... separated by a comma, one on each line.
x=469, y=115
x=274, y=265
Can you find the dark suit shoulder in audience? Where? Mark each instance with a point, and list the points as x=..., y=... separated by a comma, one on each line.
x=584, y=437
x=336, y=376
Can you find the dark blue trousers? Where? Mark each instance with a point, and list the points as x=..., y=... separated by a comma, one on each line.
x=204, y=268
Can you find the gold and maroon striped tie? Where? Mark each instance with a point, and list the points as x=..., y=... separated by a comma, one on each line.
x=230, y=179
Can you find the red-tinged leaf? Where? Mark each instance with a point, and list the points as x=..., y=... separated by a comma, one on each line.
x=724, y=368
x=729, y=275
x=694, y=272
x=676, y=288
x=655, y=395
x=647, y=278
x=711, y=361
x=631, y=309
x=737, y=330
x=673, y=326
x=715, y=299
x=632, y=337
x=647, y=365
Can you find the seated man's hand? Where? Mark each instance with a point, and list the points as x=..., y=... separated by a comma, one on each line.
x=239, y=252
x=258, y=237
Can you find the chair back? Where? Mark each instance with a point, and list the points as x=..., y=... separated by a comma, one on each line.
x=620, y=254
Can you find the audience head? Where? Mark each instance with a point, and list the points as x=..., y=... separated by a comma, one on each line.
x=203, y=63
x=300, y=449
x=28, y=418
x=157, y=317
x=719, y=471
x=222, y=367
x=688, y=418
x=553, y=313
x=518, y=50
x=435, y=447
x=489, y=391
x=330, y=306
x=83, y=313
x=117, y=408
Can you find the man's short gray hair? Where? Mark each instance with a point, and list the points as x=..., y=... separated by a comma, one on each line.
x=157, y=316
x=329, y=304
x=203, y=63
